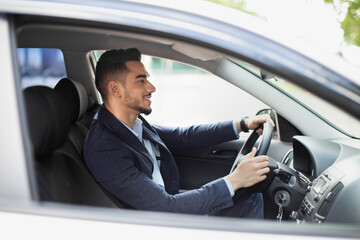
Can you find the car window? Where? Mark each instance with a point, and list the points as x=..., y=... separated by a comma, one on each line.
x=186, y=95
x=40, y=66
x=329, y=113
x=335, y=116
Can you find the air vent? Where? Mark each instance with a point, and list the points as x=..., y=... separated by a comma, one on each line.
x=325, y=206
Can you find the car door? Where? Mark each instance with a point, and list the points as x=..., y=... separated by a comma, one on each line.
x=200, y=166
x=14, y=184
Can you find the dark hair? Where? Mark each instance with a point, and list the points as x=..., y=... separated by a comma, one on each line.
x=111, y=66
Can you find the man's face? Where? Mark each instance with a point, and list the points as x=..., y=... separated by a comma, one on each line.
x=137, y=88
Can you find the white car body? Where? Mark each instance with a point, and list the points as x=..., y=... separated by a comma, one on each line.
x=23, y=216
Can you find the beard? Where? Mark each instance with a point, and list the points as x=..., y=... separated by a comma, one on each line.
x=144, y=110
x=134, y=104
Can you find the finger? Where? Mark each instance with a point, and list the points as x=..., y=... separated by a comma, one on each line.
x=267, y=118
x=262, y=178
x=263, y=171
x=259, y=179
x=263, y=118
x=263, y=164
x=272, y=123
x=252, y=153
x=259, y=131
x=261, y=158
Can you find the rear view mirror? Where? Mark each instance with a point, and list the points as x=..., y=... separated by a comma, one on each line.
x=265, y=75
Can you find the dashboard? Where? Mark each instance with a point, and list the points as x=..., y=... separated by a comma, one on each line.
x=332, y=170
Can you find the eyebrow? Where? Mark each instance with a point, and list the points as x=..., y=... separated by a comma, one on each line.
x=142, y=76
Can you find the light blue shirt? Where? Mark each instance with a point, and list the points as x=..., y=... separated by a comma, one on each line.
x=153, y=149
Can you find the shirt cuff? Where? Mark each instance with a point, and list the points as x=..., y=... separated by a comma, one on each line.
x=229, y=185
x=235, y=129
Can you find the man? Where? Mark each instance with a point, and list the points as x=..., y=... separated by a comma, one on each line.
x=132, y=159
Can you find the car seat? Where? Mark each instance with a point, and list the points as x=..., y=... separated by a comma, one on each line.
x=49, y=124
x=58, y=140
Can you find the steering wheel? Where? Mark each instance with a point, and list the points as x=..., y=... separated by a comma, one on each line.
x=261, y=150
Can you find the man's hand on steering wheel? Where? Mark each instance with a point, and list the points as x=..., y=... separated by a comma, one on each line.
x=250, y=171
x=251, y=166
x=252, y=123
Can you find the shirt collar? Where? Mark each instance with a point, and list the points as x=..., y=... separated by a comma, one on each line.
x=137, y=129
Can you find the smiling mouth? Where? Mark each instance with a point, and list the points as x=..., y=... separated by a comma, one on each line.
x=147, y=97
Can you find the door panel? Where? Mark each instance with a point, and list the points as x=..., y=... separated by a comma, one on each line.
x=200, y=166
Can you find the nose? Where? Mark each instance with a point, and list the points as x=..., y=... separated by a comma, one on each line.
x=151, y=88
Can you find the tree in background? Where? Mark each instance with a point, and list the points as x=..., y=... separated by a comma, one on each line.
x=349, y=17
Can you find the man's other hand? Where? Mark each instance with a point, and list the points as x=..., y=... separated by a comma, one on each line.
x=250, y=171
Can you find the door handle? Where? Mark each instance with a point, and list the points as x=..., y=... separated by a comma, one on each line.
x=223, y=153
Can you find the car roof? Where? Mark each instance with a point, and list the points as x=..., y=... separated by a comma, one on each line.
x=110, y=10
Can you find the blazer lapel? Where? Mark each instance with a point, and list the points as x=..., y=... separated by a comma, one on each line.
x=148, y=134
x=168, y=168
x=113, y=124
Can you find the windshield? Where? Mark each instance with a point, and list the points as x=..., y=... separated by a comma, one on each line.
x=329, y=113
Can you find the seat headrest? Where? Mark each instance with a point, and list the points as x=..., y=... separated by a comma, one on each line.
x=75, y=96
x=48, y=119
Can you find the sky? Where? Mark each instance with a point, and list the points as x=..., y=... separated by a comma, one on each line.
x=312, y=20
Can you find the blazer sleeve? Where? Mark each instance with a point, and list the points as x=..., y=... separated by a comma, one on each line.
x=116, y=171
x=196, y=136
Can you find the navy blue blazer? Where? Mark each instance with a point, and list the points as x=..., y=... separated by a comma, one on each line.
x=123, y=166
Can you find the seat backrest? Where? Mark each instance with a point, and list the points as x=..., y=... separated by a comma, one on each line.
x=57, y=141
x=85, y=189
x=49, y=124
x=75, y=97
x=81, y=106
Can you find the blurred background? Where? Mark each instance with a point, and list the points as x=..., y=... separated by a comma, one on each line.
x=332, y=25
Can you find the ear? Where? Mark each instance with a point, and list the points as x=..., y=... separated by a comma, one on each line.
x=114, y=88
